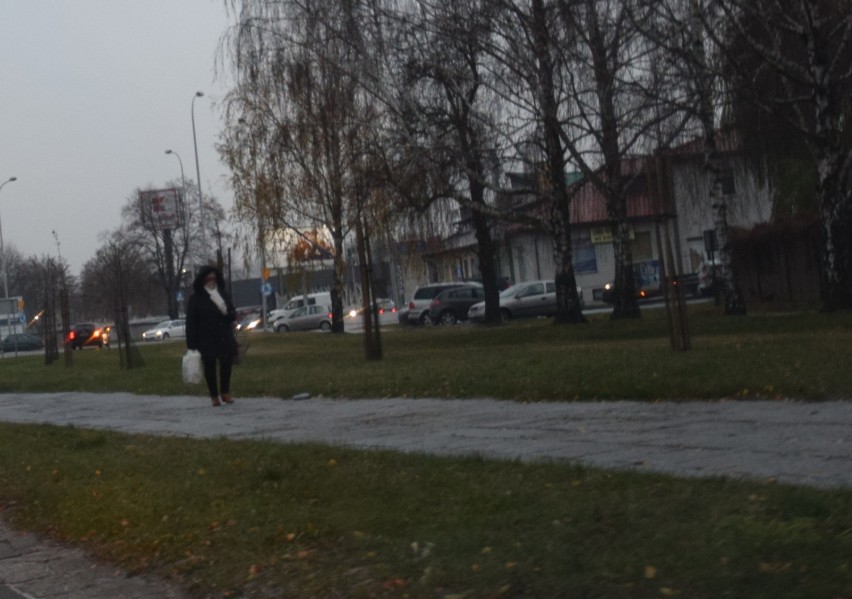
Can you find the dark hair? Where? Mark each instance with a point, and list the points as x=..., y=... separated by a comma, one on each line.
x=198, y=283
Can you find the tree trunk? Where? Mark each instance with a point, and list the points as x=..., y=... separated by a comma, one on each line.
x=625, y=303
x=485, y=250
x=568, y=306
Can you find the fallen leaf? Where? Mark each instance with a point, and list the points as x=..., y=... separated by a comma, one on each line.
x=650, y=572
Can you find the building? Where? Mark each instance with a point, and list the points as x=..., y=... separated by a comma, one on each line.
x=668, y=202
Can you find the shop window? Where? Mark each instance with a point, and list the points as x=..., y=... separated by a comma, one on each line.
x=585, y=259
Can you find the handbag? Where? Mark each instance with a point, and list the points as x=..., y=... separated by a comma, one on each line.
x=192, y=370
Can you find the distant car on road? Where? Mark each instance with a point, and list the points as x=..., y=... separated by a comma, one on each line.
x=87, y=334
x=166, y=329
x=21, y=342
x=250, y=321
x=383, y=305
x=305, y=318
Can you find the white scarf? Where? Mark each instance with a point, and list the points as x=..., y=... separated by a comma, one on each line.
x=218, y=300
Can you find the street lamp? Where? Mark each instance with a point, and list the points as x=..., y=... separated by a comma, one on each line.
x=182, y=178
x=198, y=175
x=2, y=251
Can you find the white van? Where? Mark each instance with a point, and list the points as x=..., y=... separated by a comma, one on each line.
x=322, y=298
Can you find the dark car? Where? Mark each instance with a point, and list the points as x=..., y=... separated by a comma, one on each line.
x=418, y=307
x=452, y=305
x=21, y=342
x=88, y=334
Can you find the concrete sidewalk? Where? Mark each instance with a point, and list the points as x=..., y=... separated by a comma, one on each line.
x=789, y=442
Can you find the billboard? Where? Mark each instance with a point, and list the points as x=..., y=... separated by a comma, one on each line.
x=162, y=207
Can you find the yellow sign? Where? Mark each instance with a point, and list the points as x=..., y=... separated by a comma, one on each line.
x=265, y=273
x=20, y=304
x=604, y=234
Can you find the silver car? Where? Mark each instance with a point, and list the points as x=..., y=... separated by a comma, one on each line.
x=166, y=329
x=530, y=298
x=305, y=318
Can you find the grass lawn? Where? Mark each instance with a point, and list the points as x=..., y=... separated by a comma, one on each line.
x=240, y=518
x=797, y=355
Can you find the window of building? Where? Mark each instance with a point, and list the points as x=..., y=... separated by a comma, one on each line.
x=585, y=258
x=640, y=245
x=522, y=264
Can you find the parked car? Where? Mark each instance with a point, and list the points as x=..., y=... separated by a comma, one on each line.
x=531, y=298
x=305, y=318
x=87, y=334
x=452, y=305
x=166, y=329
x=418, y=307
x=21, y=342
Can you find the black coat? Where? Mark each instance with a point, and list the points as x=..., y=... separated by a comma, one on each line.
x=207, y=329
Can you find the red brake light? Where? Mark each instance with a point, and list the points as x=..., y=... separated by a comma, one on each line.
x=381, y=310
x=393, y=310
x=72, y=335
x=411, y=305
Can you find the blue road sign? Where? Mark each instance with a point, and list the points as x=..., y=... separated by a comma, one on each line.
x=266, y=289
x=180, y=296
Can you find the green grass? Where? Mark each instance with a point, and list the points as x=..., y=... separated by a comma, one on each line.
x=228, y=518
x=267, y=520
x=797, y=355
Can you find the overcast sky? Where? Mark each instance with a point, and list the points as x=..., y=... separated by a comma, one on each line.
x=92, y=94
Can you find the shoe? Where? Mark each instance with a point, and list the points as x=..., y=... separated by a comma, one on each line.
x=226, y=397
x=215, y=401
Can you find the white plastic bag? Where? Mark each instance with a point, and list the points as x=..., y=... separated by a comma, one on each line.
x=192, y=370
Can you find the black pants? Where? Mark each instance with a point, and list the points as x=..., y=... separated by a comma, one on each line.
x=225, y=365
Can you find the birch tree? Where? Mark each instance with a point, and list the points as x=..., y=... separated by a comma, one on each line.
x=796, y=57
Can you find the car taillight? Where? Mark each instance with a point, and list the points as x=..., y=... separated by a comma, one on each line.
x=71, y=336
x=393, y=310
x=411, y=305
x=435, y=303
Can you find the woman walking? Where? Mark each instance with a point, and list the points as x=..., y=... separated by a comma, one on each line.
x=210, y=317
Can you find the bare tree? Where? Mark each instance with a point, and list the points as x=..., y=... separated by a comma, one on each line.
x=99, y=290
x=445, y=110
x=169, y=248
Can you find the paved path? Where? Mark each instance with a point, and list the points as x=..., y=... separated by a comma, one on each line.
x=797, y=443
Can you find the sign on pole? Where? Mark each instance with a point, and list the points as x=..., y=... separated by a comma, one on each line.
x=163, y=207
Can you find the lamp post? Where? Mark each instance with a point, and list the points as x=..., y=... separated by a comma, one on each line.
x=198, y=175
x=185, y=224
x=2, y=250
x=182, y=178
